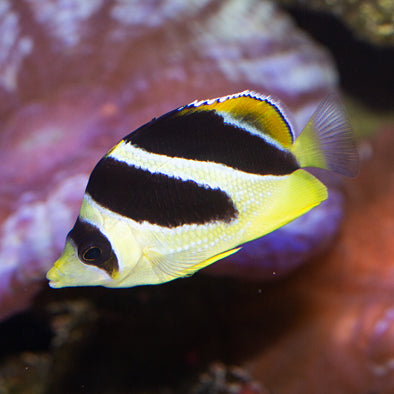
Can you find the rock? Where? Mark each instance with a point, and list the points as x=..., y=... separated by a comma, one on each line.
x=77, y=78
x=343, y=340
x=371, y=20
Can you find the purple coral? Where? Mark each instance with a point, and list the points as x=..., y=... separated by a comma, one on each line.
x=76, y=79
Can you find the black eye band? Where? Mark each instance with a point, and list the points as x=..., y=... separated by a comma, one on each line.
x=93, y=247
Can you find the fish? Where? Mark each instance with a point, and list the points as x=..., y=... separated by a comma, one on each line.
x=192, y=186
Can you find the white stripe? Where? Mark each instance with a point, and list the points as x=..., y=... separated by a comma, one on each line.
x=254, y=95
x=142, y=226
x=214, y=175
x=196, y=240
x=251, y=130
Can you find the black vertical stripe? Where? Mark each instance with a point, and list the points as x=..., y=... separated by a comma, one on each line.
x=204, y=136
x=156, y=198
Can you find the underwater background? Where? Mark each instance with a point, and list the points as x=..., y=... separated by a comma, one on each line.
x=306, y=309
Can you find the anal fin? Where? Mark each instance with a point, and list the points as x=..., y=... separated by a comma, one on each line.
x=178, y=265
x=211, y=260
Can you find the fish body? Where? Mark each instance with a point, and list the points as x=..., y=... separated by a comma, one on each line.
x=190, y=187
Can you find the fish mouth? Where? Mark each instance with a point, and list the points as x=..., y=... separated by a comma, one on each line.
x=64, y=272
x=54, y=277
x=68, y=271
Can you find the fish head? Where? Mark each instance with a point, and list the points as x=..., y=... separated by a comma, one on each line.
x=69, y=270
x=100, y=250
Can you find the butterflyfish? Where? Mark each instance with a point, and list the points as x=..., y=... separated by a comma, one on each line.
x=192, y=186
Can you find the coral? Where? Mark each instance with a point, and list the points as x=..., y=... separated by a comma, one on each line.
x=372, y=20
x=328, y=327
x=220, y=379
x=76, y=78
x=345, y=328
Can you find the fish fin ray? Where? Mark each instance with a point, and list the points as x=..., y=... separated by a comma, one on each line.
x=182, y=264
x=327, y=140
x=212, y=260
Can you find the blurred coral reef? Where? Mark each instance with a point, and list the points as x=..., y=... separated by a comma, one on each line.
x=75, y=78
x=371, y=20
x=347, y=328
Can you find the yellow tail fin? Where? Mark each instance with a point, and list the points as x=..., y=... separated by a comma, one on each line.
x=327, y=140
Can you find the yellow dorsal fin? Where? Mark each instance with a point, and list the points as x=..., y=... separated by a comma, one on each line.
x=251, y=109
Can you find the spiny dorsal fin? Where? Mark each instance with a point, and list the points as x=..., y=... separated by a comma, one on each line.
x=258, y=111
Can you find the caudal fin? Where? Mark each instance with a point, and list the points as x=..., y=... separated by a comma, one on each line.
x=327, y=140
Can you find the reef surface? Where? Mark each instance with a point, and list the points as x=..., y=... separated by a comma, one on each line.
x=327, y=327
x=343, y=340
x=76, y=78
x=69, y=90
x=371, y=20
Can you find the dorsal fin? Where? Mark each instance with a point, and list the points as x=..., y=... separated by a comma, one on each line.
x=252, y=109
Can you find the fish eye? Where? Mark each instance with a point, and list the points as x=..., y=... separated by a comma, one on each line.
x=92, y=247
x=92, y=253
